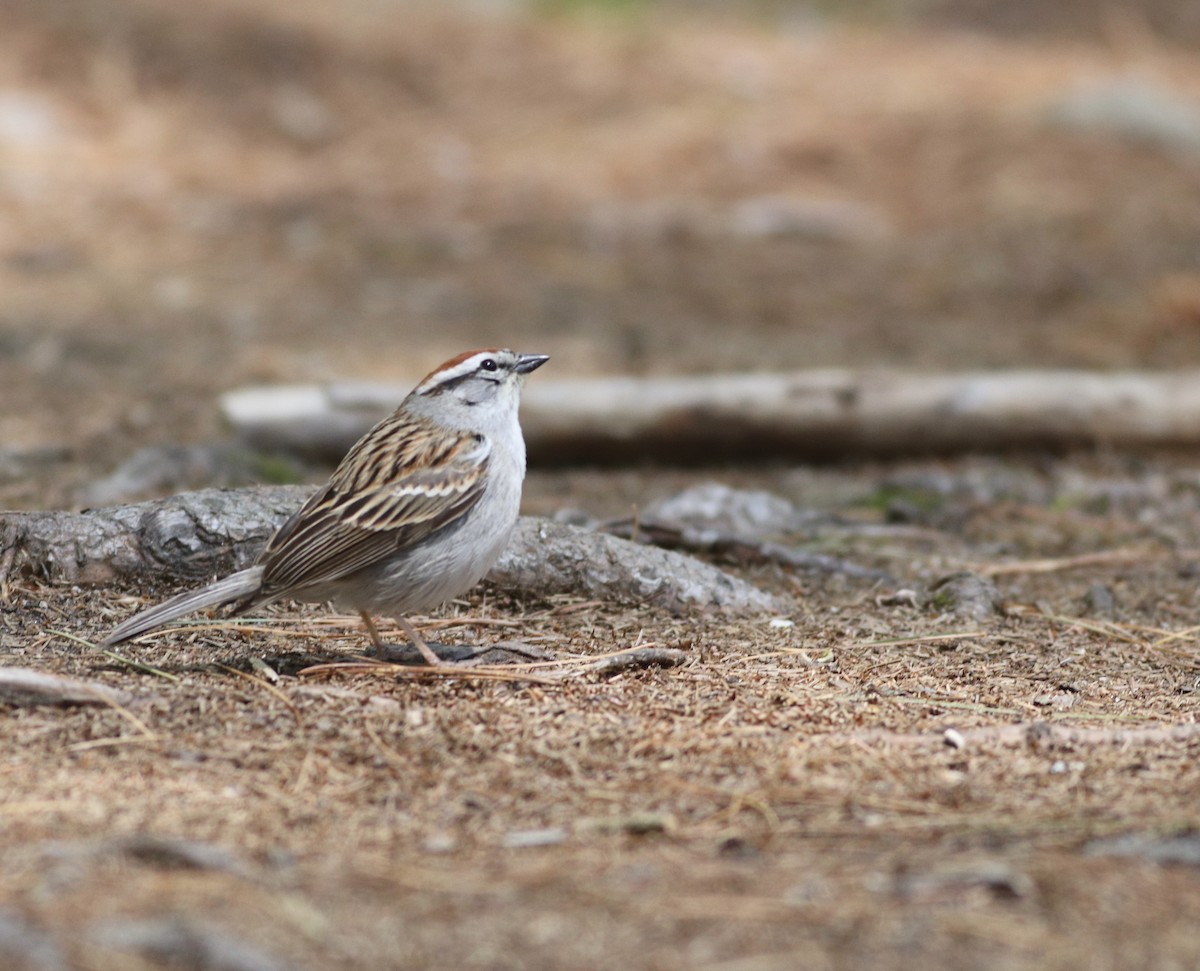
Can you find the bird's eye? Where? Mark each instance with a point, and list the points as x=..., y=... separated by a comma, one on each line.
x=487, y=364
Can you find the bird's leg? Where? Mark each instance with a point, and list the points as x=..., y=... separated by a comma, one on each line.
x=419, y=642
x=382, y=650
x=373, y=631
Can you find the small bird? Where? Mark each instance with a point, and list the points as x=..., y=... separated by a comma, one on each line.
x=416, y=513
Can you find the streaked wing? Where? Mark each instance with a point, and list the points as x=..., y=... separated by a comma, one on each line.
x=396, y=486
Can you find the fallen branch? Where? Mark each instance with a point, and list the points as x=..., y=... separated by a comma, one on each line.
x=26, y=689
x=197, y=535
x=763, y=416
x=637, y=657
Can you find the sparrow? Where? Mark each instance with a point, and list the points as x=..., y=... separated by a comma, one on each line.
x=415, y=514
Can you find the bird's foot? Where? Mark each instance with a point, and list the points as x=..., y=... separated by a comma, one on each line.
x=411, y=654
x=502, y=652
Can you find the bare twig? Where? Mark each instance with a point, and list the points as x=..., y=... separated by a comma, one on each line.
x=479, y=673
x=136, y=665
x=638, y=657
x=266, y=686
x=1057, y=564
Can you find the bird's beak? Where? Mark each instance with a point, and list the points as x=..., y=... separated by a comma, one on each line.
x=530, y=362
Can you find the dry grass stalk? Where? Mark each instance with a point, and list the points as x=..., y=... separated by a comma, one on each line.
x=1078, y=562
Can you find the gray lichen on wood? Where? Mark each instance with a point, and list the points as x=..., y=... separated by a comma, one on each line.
x=768, y=416
x=197, y=535
x=190, y=536
x=547, y=557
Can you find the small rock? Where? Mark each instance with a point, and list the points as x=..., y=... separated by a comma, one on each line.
x=967, y=596
x=778, y=216
x=45, y=260
x=902, y=511
x=768, y=216
x=636, y=824
x=440, y=843
x=184, y=943
x=171, y=853
x=1131, y=108
x=746, y=513
x=15, y=463
x=27, y=121
x=997, y=877
x=1181, y=849
x=655, y=221
x=899, y=598
x=1099, y=600
x=302, y=116
x=738, y=848
x=24, y=947
x=1054, y=701
x=176, y=292
x=574, y=517
x=524, y=839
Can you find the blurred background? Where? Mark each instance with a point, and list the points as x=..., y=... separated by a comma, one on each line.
x=196, y=196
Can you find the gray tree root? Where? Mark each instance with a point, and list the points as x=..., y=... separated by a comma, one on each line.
x=198, y=535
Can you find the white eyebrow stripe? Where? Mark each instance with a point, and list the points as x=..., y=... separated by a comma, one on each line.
x=460, y=370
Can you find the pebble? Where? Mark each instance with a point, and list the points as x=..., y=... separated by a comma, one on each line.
x=1132, y=108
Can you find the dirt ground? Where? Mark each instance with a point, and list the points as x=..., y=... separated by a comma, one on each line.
x=196, y=197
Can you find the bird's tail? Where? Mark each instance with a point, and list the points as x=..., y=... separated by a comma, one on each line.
x=237, y=586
